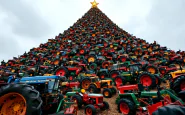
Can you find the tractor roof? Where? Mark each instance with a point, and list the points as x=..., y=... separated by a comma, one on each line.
x=37, y=79
x=95, y=95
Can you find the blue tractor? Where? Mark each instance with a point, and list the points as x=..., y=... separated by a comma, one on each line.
x=28, y=95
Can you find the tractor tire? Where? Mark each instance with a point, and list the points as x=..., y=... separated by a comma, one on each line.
x=22, y=95
x=93, y=89
x=126, y=107
x=170, y=110
x=90, y=110
x=182, y=95
x=92, y=66
x=114, y=91
x=113, y=73
x=152, y=69
x=179, y=84
x=147, y=80
x=78, y=99
x=91, y=59
x=85, y=83
x=105, y=106
x=103, y=75
x=61, y=71
x=105, y=65
x=107, y=93
x=162, y=71
x=120, y=80
x=158, y=81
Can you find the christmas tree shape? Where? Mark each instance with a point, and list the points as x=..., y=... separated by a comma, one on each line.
x=94, y=42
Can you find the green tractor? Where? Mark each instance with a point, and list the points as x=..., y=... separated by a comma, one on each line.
x=135, y=75
x=133, y=99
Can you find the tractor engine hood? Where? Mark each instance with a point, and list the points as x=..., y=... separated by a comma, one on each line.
x=95, y=95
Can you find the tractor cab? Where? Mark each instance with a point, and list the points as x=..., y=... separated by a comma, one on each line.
x=44, y=84
x=135, y=68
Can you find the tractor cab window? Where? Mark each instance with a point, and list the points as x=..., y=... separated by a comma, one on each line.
x=95, y=79
x=56, y=85
x=134, y=68
x=53, y=85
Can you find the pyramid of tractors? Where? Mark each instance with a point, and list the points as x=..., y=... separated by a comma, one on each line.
x=93, y=43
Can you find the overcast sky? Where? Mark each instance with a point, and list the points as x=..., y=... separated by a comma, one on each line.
x=25, y=24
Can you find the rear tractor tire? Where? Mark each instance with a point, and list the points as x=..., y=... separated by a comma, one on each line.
x=19, y=99
x=179, y=84
x=126, y=107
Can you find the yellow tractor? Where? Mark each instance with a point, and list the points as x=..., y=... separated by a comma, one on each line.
x=94, y=85
x=177, y=80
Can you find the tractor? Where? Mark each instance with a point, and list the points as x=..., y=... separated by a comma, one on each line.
x=112, y=71
x=133, y=99
x=22, y=95
x=177, y=80
x=94, y=85
x=70, y=71
x=135, y=75
x=91, y=101
x=66, y=106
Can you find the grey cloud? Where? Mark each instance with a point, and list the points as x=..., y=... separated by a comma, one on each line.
x=8, y=47
x=166, y=23
x=29, y=23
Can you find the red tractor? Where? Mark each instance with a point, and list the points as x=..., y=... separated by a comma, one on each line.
x=69, y=72
x=92, y=101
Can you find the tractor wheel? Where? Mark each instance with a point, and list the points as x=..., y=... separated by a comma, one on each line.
x=126, y=107
x=181, y=95
x=85, y=83
x=56, y=61
x=158, y=81
x=92, y=66
x=105, y=106
x=82, y=51
x=152, y=69
x=107, y=93
x=61, y=71
x=105, y=65
x=170, y=110
x=179, y=84
x=113, y=74
x=19, y=99
x=93, y=89
x=113, y=89
x=91, y=59
x=123, y=58
x=147, y=80
x=78, y=100
x=103, y=75
x=120, y=80
x=90, y=110
x=162, y=71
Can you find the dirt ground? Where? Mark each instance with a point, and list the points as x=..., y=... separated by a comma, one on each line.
x=113, y=107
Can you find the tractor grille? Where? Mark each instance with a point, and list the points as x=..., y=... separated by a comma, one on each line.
x=100, y=100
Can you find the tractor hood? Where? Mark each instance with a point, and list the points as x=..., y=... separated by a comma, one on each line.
x=95, y=95
x=105, y=81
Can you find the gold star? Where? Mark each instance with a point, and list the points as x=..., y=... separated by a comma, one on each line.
x=94, y=4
